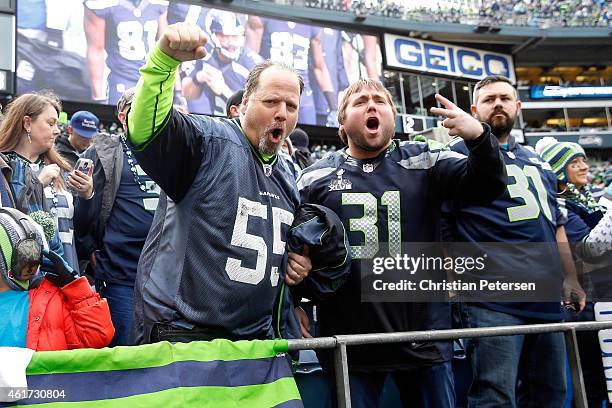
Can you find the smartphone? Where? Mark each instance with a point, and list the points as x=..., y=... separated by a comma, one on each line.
x=85, y=166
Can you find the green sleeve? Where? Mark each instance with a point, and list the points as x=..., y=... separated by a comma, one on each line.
x=153, y=99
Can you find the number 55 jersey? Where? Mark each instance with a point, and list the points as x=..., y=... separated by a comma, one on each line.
x=215, y=256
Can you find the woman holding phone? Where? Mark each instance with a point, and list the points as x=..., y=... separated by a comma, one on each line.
x=27, y=134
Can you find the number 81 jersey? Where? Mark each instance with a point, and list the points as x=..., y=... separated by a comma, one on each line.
x=130, y=34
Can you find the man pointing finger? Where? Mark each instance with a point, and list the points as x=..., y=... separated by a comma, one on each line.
x=458, y=122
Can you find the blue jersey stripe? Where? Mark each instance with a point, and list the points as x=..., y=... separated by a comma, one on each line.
x=112, y=384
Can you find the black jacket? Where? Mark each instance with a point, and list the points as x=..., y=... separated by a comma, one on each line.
x=321, y=230
x=65, y=149
x=7, y=172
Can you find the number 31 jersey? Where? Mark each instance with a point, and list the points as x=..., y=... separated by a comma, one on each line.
x=382, y=202
x=527, y=211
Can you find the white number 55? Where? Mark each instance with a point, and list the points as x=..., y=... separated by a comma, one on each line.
x=241, y=238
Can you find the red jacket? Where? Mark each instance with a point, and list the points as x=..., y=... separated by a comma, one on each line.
x=68, y=318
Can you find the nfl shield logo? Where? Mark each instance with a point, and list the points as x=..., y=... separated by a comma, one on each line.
x=368, y=168
x=267, y=170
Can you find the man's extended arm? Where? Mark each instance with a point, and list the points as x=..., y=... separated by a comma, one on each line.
x=254, y=33
x=94, y=31
x=572, y=290
x=167, y=144
x=153, y=99
x=483, y=177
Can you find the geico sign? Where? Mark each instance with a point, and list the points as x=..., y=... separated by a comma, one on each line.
x=428, y=56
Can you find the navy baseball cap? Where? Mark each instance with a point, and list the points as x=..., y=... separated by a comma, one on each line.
x=85, y=124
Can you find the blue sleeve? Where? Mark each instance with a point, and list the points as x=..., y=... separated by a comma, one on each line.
x=575, y=228
x=55, y=245
x=173, y=158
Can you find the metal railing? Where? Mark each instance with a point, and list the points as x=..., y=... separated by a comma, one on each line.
x=341, y=342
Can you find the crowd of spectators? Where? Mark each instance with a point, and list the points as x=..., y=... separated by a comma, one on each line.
x=534, y=13
x=319, y=151
x=600, y=173
x=63, y=279
x=545, y=13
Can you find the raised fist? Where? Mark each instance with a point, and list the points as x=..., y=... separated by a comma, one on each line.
x=183, y=42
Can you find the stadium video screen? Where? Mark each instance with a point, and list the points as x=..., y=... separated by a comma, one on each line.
x=91, y=51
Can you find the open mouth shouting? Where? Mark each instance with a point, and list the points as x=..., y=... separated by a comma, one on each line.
x=372, y=124
x=275, y=134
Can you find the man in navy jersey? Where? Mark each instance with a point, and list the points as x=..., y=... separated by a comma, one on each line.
x=298, y=45
x=126, y=30
x=215, y=255
x=527, y=212
x=114, y=224
x=387, y=192
x=213, y=80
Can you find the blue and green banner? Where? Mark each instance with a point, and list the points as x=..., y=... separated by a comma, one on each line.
x=218, y=373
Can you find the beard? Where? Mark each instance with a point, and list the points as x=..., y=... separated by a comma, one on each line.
x=360, y=141
x=267, y=147
x=500, y=127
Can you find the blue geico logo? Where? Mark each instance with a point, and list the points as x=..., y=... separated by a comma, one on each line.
x=439, y=58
